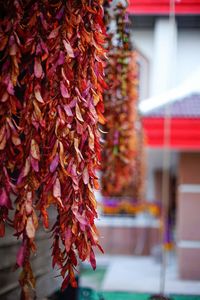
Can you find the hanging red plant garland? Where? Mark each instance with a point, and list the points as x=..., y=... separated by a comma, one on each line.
x=120, y=111
x=10, y=143
x=58, y=104
x=75, y=150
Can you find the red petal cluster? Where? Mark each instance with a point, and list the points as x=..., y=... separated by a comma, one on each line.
x=52, y=71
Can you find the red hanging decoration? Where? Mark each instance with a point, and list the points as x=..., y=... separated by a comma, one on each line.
x=121, y=137
x=52, y=71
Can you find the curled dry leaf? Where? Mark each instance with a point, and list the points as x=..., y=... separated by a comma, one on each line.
x=38, y=94
x=64, y=91
x=30, y=228
x=68, y=48
x=38, y=68
x=35, y=152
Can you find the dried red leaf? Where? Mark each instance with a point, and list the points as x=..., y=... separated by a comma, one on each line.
x=21, y=255
x=68, y=110
x=68, y=48
x=68, y=239
x=65, y=283
x=30, y=228
x=64, y=91
x=54, y=33
x=38, y=95
x=85, y=175
x=38, y=68
x=54, y=163
x=35, y=151
x=92, y=259
x=35, y=164
x=78, y=114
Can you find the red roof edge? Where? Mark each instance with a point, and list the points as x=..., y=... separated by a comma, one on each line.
x=162, y=7
x=184, y=133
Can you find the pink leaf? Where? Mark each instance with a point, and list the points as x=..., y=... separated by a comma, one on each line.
x=68, y=237
x=54, y=163
x=21, y=255
x=68, y=110
x=64, y=91
x=35, y=164
x=57, y=191
x=60, y=13
x=68, y=48
x=10, y=88
x=44, y=46
x=54, y=33
x=78, y=216
x=61, y=58
x=85, y=176
x=29, y=204
x=38, y=68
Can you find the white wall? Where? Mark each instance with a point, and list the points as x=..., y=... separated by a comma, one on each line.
x=143, y=39
x=187, y=55
x=187, y=60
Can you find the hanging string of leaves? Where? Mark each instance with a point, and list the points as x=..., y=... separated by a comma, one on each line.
x=51, y=70
x=120, y=111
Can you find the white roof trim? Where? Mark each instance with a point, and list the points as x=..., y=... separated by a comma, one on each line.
x=187, y=88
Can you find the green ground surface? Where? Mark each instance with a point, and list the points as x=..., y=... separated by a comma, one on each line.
x=89, y=294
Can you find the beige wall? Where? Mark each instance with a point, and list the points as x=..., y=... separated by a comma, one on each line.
x=128, y=240
x=188, y=216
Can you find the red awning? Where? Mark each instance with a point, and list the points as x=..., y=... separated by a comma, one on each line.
x=162, y=7
x=184, y=133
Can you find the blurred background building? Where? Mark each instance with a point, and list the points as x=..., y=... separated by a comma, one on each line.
x=166, y=36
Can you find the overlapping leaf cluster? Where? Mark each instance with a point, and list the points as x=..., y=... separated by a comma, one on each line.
x=121, y=143
x=51, y=72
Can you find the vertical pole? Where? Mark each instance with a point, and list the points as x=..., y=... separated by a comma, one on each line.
x=166, y=173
